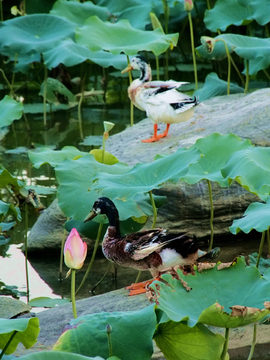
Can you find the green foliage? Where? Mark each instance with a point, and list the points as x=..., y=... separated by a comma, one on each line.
x=257, y=216
x=178, y=341
x=214, y=86
x=27, y=331
x=54, y=87
x=58, y=355
x=143, y=178
x=216, y=150
x=250, y=48
x=131, y=333
x=222, y=293
x=236, y=12
x=121, y=37
x=250, y=168
x=47, y=302
x=10, y=110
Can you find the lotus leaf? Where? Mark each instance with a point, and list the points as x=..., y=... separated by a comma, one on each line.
x=178, y=341
x=264, y=264
x=54, y=86
x=214, y=86
x=231, y=12
x=109, y=159
x=10, y=110
x=251, y=169
x=122, y=37
x=78, y=12
x=225, y=13
x=47, y=302
x=216, y=150
x=257, y=216
x=7, y=179
x=46, y=155
x=58, y=355
x=6, y=209
x=27, y=333
x=39, y=32
x=254, y=49
x=132, y=330
x=67, y=52
x=232, y=297
x=143, y=178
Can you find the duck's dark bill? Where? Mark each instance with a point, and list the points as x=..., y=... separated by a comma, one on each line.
x=90, y=216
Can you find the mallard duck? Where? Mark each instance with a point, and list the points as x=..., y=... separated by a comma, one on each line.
x=152, y=250
x=160, y=99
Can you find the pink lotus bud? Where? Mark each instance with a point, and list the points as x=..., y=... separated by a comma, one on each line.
x=188, y=5
x=75, y=250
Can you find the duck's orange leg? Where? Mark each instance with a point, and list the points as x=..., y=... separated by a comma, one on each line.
x=139, y=288
x=156, y=137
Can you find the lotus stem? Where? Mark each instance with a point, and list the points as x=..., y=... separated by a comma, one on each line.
x=211, y=214
x=73, y=293
x=100, y=281
x=8, y=343
x=44, y=96
x=62, y=256
x=225, y=346
x=268, y=240
x=1, y=11
x=154, y=209
x=247, y=76
x=260, y=249
x=157, y=67
x=25, y=251
x=80, y=108
x=229, y=65
x=92, y=257
x=4, y=75
x=193, y=49
x=253, y=342
x=138, y=276
x=13, y=77
x=131, y=104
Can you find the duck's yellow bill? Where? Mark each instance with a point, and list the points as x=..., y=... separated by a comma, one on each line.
x=90, y=216
x=127, y=69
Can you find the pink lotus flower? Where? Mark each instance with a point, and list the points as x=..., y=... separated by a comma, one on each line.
x=75, y=250
x=188, y=5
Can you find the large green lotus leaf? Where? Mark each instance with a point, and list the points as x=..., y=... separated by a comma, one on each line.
x=122, y=37
x=225, y=13
x=145, y=177
x=216, y=150
x=39, y=32
x=10, y=110
x=76, y=194
x=236, y=12
x=58, y=355
x=254, y=49
x=232, y=297
x=6, y=209
x=132, y=333
x=260, y=10
x=45, y=155
x=257, y=216
x=77, y=12
x=27, y=333
x=264, y=264
x=214, y=86
x=251, y=169
x=178, y=341
x=67, y=52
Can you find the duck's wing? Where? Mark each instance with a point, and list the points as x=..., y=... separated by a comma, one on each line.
x=151, y=242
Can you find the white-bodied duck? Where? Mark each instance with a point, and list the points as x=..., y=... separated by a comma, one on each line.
x=160, y=99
